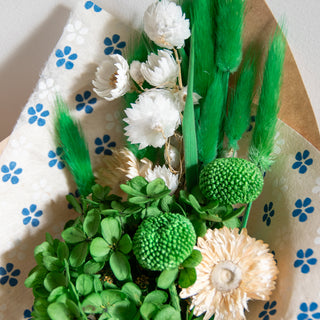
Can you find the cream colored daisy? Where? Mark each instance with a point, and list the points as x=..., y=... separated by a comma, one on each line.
x=235, y=268
x=121, y=167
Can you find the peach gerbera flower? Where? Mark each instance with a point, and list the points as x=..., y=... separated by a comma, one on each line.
x=234, y=269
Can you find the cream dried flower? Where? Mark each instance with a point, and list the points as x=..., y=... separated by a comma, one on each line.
x=152, y=119
x=112, y=78
x=165, y=24
x=181, y=97
x=171, y=180
x=121, y=167
x=234, y=269
x=161, y=70
x=135, y=72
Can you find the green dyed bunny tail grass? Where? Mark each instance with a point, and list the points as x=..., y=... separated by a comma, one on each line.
x=262, y=142
x=238, y=118
x=71, y=139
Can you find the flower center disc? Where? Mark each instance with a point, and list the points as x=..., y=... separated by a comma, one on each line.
x=225, y=276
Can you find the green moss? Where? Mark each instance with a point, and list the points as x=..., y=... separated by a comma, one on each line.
x=164, y=241
x=231, y=181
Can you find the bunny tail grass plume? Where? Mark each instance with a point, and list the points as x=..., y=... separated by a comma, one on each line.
x=229, y=27
x=210, y=120
x=203, y=45
x=238, y=118
x=262, y=142
x=71, y=139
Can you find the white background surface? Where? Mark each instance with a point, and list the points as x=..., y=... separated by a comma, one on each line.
x=30, y=29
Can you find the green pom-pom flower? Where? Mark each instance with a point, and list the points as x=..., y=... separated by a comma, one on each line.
x=164, y=241
x=231, y=181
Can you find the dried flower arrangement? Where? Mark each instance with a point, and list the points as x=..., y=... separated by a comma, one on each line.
x=158, y=234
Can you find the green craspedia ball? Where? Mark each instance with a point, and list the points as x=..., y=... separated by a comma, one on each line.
x=231, y=181
x=163, y=242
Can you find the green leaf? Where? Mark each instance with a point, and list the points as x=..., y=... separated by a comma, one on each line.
x=91, y=223
x=234, y=213
x=194, y=203
x=167, y=277
x=73, y=308
x=188, y=277
x=78, y=254
x=73, y=235
x=138, y=183
x=125, y=244
x=152, y=212
x=62, y=251
x=193, y=260
x=130, y=191
x=56, y=293
x=92, y=267
x=97, y=285
x=111, y=296
x=40, y=292
x=49, y=238
x=166, y=203
x=36, y=277
x=148, y=310
x=53, y=280
x=43, y=249
x=168, y=313
x=210, y=217
x=232, y=223
x=52, y=263
x=157, y=297
x=99, y=249
x=84, y=284
x=92, y=303
x=199, y=226
x=155, y=187
x=99, y=193
x=111, y=230
x=58, y=311
x=139, y=200
x=133, y=292
x=74, y=202
x=120, y=266
x=122, y=309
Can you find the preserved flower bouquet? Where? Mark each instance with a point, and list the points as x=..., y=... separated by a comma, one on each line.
x=161, y=232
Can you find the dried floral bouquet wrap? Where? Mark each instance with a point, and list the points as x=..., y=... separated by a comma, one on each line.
x=161, y=232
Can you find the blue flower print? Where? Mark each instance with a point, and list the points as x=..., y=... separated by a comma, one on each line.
x=85, y=101
x=303, y=161
x=9, y=275
x=268, y=310
x=56, y=158
x=303, y=207
x=301, y=261
x=11, y=172
x=113, y=45
x=308, y=312
x=64, y=57
x=27, y=314
x=31, y=215
x=103, y=145
x=89, y=4
x=38, y=115
x=268, y=213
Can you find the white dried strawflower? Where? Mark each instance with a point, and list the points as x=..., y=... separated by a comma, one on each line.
x=152, y=119
x=235, y=268
x=161, y=70
x=112, y=78
x=165, y=24
x=171, y=180
x=181, y=97
x=135, y=72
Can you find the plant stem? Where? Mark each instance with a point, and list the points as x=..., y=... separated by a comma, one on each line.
x=174, y=297
x=179, y=65
x=246, y=216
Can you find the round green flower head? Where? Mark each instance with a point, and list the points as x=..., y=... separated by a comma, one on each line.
x=164, y=241
x=231, y=181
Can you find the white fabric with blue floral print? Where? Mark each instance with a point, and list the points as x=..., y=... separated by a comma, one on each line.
x=34, y=180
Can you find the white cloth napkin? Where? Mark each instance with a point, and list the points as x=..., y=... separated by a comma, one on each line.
x=34, y=180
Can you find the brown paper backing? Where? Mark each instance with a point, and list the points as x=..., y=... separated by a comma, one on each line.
x=296, y=109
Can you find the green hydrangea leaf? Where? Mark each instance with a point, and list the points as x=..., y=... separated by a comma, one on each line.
x=78, y=254
x=56, y=293
x=99, y=193
x=59, y=311
x=62, y=251
x=84, y=284
x=138, y=183
x=53, y=280
x=73, y=308
x=40, y=308
x=99, y=249
x=133, y=292
x=125, y=244
x=92, y=267
x=130, y=191
x=148, y=310
x=188, y=277
x=43, y=249
x=120, y=266
x=157, y=297
x=167, y=277
x=122, y=309
x=193, y=260
x=40, y=292
x=155, y=187
x=111, y=230
x=97, y=285
x=139, y=200
x=91, y=223
x=111, y=297
x=74, y=202
x=168, y=313
x=36, y=277
x=92, y=303
x=52, y=263
x=73, y=235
